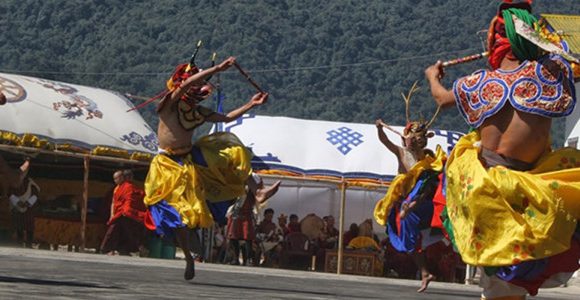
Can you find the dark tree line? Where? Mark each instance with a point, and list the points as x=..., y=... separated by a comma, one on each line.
x=341, y=60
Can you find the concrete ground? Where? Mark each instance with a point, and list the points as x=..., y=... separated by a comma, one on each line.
x=41, y=274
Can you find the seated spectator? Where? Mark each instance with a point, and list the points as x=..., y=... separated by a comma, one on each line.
x=268, y=238
x=366, y=229
x=294, y=225
x=363, y=243
x=282, y=221
x=350, y=234
x=329, y=234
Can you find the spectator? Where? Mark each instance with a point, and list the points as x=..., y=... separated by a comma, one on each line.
x=282, y=224
x=126, y=230
x=22, y=200
x=330, y=233
x=294, y=225
x=350, y=234
x=269, y=238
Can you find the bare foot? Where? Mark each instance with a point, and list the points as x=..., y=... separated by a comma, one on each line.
x=263, y=194
x=425, y=282
x=189, y=270
x=406, y=208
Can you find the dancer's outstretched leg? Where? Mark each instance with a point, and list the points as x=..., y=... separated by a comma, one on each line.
x=182, y=235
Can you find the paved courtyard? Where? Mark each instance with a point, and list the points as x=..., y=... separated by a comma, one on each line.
x=40, y=274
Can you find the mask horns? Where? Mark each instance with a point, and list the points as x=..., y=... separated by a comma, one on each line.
x=433, y=118
x=407, y=98
x=192, y=60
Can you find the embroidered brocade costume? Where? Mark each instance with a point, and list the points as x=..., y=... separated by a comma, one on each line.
x=543, y=87
x=405, y=234
x=177, y=187
x=523, y=222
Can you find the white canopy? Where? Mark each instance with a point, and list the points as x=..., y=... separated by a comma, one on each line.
x=69, y=114
x=323, y=148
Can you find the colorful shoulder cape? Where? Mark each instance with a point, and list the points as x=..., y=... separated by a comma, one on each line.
x=544, y=87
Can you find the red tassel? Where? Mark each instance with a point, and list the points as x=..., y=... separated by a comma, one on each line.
x=162, y=94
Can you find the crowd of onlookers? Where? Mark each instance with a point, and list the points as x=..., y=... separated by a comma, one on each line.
x=259, y=240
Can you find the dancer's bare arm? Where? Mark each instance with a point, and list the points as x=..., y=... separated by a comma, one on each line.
x=385, y=140
x=199, y=77
x=442, y=96
x=257, y=100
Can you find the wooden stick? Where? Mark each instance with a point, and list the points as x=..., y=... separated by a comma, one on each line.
x=252, y=82
x=391, y=129
x=85, y=203
x=465, y=59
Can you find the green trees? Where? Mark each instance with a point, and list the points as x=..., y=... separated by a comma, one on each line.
x=341, y=60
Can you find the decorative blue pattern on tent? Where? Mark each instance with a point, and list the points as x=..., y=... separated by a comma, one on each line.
x=346, y=139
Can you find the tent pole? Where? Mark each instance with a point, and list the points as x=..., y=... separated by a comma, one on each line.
x=85, y=203
x=341, y=226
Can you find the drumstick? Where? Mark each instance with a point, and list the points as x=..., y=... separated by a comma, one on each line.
x=252, y=82
x=464, y=59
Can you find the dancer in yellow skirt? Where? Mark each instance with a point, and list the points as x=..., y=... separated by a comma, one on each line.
x=512, y=202
x=183, y=178
x=407, y=209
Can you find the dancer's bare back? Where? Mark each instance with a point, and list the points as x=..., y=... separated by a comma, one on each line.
x=515, y=134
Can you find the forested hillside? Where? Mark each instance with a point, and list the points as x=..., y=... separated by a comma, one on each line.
x=340, y=60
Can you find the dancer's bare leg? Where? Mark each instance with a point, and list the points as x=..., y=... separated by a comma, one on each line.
x=182, y=235
x=426, y=277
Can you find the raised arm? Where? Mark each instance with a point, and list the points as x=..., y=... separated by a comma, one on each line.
x=442, y=96
x=385, y=140
x=199, y=77
x=257, y=100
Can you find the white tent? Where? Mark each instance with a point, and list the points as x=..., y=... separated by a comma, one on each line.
x=320, y=155
x=573, y=125
x=63, y=124
x=72, y=117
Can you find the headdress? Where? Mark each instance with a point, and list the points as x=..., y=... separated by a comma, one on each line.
x=181, y=73
x=502, y=40
x=416, y=128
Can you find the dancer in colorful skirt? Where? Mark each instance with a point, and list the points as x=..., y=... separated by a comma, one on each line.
x=184, y=177
x=241, y=224
x=407, y=209
x=512, y=202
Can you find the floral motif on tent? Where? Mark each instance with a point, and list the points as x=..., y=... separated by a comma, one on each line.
x=149, y=141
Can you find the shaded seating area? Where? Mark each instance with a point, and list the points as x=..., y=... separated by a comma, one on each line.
x=296, y=252
x=362, y=256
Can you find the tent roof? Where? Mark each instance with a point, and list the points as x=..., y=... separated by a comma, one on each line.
x=54, y=115
x=569, y=25
x=323, y=148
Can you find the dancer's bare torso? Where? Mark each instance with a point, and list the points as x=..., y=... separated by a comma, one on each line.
x=172, y=136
